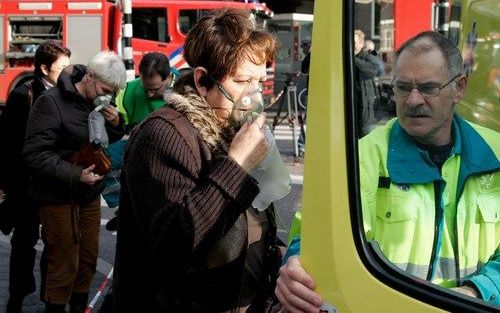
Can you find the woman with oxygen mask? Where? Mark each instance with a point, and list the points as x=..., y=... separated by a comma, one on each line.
x=65, y=189
x=187, y=183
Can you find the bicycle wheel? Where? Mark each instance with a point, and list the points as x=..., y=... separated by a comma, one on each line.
x=302, y=99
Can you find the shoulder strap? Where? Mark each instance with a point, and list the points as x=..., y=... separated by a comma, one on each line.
x=29, y=85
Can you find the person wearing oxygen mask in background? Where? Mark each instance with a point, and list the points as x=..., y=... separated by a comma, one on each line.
x=67, y=194
x=187, y=232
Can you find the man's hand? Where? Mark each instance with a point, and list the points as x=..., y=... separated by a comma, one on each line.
x=466, y=290
x=88, y=177
x=111, y=115
x=295, y=288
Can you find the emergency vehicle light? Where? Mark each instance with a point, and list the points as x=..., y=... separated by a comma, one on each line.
x=35, y=6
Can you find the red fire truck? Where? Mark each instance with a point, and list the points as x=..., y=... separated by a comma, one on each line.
x=86, y=27
x=432, y=15
x=404, y=19
x=89, y=26
x=162, y=25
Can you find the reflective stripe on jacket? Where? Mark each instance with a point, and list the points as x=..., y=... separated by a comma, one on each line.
x=456, y=239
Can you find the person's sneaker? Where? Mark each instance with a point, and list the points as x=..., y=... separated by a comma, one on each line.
x=14, y=305
x=112, y=224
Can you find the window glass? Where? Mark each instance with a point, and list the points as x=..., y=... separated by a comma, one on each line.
x=26, y=33
x=417, y=202
x=187, y=19
x=150, y=24
x=376, y=19
x=261, y=19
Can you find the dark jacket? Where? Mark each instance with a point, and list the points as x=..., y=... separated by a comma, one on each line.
x=57, y=127
x=366, y=90
x=380, y=63
x=366, y=70
x=14, y=174
x=184, y=219
x=13, y=171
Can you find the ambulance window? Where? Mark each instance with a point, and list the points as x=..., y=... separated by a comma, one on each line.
x=150, y=24
x=187, y=19
x=420, y=235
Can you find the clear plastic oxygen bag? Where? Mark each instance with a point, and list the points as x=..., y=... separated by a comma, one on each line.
x=272, y=175
x=97, y=130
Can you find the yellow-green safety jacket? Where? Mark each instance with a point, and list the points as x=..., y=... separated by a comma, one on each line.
x=134, y=103
x=450, y=240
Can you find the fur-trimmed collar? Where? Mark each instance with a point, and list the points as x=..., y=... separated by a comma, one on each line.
x=202, y=116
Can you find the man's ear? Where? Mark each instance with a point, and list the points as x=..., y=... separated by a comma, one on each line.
x=44, y=69
x=461, y=86
x=200, y=78
x=90, y=75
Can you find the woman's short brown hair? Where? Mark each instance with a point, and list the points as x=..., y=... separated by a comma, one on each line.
x=221, y=41
x=47, y=53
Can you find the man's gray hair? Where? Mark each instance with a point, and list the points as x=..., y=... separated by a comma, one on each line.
x=430, y=40
x=108, y=68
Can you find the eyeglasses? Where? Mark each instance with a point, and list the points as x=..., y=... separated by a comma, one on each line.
x=403, y=89
x=155, y=90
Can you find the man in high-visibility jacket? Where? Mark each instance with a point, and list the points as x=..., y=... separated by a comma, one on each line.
x=430, y=183
x=145, y=94
x=138, y=99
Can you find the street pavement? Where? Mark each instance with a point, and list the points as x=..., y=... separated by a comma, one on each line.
x=286, y=208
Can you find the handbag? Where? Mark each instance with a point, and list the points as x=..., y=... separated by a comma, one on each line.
x=92, y=153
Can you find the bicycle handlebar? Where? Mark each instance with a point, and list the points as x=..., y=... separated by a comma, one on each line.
x=290, y=76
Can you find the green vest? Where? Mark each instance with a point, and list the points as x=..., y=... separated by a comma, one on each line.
x=443, y=242
x=134, y=103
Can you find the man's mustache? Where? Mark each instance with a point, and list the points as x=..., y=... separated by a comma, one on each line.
x=417, y=112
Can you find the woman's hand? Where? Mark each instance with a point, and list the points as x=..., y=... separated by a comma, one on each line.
x=295, y=288
x=111, y=115
x=88, y=177
x=249, y=146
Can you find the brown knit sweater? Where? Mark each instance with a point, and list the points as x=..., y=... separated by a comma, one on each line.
x=183, y=223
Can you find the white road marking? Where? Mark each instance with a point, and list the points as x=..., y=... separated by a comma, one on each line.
x=297, y=179
x=284, y=132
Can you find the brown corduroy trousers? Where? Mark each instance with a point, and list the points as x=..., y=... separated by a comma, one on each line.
x=71, y=237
